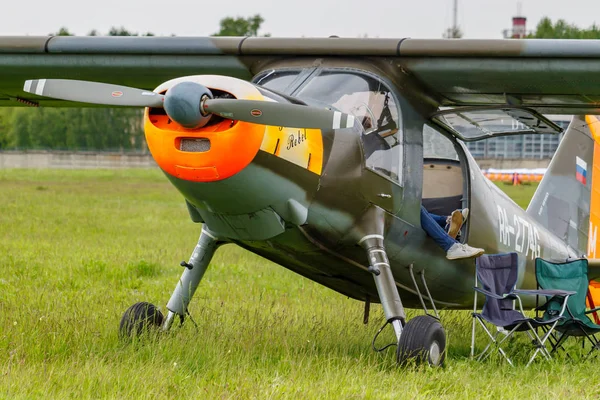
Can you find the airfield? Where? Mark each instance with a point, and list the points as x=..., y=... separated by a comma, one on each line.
x=79, y=247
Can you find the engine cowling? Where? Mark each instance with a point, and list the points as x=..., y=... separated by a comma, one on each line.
x=218, y=149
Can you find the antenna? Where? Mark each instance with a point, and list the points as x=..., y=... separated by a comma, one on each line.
x=453, y=31
x=455, y=18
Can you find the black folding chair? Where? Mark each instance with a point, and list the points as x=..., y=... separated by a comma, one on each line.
x=495, y=278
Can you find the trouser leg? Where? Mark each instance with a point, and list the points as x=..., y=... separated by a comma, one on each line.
x=435, y=231
x=440, y=220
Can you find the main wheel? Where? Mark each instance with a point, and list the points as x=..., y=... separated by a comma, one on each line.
x=423, y=340
x=139, y=318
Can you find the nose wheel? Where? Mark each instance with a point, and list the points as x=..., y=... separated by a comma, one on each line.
x=140, y=318
x=144, y=316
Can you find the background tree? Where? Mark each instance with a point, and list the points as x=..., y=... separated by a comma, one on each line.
x=73, y=128
x=121, y=31
x=561, y=29
x=240, y=26
x=62, y=32
x=5, y=120
x=453, y=33
x=92, y=128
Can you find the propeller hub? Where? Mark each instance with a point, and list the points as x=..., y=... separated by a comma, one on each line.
x=183, y=104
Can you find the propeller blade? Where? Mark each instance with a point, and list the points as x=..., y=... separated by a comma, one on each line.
x=278, y=114
x=93, y=92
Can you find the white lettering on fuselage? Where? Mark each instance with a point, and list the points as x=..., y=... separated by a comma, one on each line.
x=526, y=236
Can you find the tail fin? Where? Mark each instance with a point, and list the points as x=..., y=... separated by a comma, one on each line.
x=563, y=199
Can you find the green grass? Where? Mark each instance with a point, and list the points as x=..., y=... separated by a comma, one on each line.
x=521, y=194
x=79, y=247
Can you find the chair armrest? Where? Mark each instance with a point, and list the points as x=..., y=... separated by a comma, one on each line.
x=494, y=295
x=544, y=292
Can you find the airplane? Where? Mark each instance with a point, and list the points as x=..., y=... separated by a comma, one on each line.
x=318, y=153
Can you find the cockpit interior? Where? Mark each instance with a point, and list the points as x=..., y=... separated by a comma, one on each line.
x=374, y=106
x=357, y=93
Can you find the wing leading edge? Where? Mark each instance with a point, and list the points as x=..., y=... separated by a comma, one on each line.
x=547, y=75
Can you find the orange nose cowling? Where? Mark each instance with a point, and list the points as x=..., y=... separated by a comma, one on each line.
x=233, y=145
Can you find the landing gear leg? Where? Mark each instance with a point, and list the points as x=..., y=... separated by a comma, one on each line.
x=384, y=280
x=422, y=339
x=145, y=316
x=188, y=283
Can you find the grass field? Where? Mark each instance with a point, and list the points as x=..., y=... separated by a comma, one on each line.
x=79, y=247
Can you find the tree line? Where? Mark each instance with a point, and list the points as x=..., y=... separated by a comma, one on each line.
x=118, y=129
x=73, y=128
x=121, y=128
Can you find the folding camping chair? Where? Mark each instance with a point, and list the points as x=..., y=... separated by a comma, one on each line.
x=573, y=276
x=497, y=275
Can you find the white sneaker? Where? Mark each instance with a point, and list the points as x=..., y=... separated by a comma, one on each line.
x=459, y=250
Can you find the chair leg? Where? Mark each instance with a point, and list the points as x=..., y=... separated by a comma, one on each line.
x=480, y=357
x=505, y=356
x=554, y=343
x=594, y=342
x=595, y=345
x=493, y=341
x=473, y=337
x=508, y=335
x=559, y=344
x=541, y=343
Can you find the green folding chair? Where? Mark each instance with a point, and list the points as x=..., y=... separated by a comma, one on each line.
x=568, y=276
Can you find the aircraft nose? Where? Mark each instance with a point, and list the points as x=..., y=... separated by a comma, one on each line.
x=213, y=150
x=207, y=154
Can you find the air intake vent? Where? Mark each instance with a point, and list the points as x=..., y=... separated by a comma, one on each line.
x=201, y=145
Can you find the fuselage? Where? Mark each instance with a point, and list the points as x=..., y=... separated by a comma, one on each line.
x=303, y=198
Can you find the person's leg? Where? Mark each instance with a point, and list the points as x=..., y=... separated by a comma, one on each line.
x=433, y=229
x=441, y=221
x=453, y=223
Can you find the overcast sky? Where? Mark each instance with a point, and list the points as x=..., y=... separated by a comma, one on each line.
x=290, y=18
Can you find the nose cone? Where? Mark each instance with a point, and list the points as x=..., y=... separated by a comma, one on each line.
x=182, y=104
x=188, y=146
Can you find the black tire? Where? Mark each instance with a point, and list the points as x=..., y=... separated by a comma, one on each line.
x=423, y=340
x=139, y=318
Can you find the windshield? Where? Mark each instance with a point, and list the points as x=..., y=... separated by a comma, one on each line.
x=362, y=96
x=278, y=81
x=372, y=104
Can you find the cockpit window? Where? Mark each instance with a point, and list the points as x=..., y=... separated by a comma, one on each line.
x=436, y=145
x=278, y=80
x=372, y=103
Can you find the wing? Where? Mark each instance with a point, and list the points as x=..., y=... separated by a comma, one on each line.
x=552, y=76
x=142, y=62
x=548, y=75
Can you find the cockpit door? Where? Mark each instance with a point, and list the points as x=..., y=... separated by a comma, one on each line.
x=375, y=108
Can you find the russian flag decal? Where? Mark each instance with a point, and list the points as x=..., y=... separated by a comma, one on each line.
x=581, y=170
